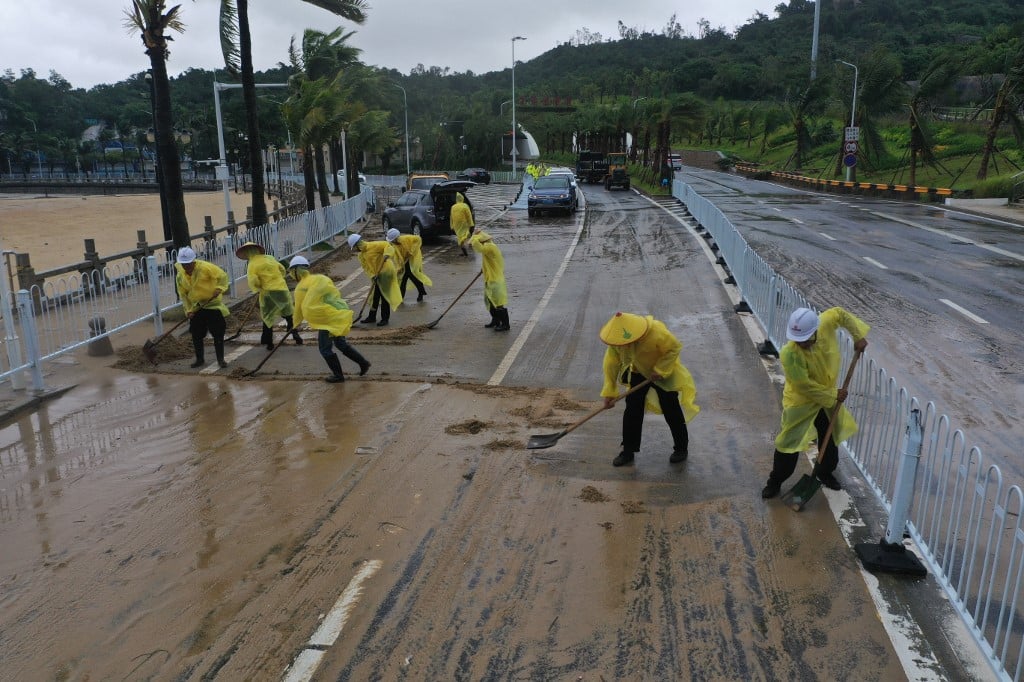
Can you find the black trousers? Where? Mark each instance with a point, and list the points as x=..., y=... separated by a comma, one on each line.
x=406, y=276
x=633, y=417
x=267, y=337
x=784, y=463
x=378, y=300
x=207, y=321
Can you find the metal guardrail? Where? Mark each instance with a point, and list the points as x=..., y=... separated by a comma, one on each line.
x=965, y=519
x=65, y=313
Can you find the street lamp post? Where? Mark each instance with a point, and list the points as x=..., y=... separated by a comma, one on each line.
x=853, y=109
x=405, y=100
x=39, y=158
x=514, y=39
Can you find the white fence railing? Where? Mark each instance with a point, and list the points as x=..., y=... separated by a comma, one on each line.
x=965, y=519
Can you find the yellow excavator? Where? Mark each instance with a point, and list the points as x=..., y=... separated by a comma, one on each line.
x=618, y=171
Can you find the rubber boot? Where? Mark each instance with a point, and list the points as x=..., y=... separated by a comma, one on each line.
x=370, y=316
x=357, y=357
x=335, y=364
x=293, y=331
x=197, y=344
x=503, y=323
x=218, y=348
x=267, y=337
x=494, y=319
x=385, y=314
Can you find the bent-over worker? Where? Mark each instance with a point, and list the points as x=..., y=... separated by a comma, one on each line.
x=461, y=219
x=640, y=348
x=379, y=261
x=410, y=250
x=319, y=302
x=200, y=285
x=811, y=362
x=265, y=275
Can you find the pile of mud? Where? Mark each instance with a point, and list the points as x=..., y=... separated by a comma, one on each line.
x=169, y=349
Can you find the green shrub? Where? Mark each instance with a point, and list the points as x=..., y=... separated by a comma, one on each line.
x=993, y=187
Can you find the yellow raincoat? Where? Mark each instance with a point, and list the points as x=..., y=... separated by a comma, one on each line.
x=495, y=291
x=196, y=290
x=811, y=377
x=410, y=250
x=266, y=277
x=319, y=302
x=380, y=259
x=461, y=218
x=657, y=351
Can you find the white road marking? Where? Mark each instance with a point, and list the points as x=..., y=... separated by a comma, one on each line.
x=949, y=235
x=875, y=263
x=827, y=236
x=795, y=220
x=963, y=311
x=306, y=663
x=517, y=345
x=774, y=208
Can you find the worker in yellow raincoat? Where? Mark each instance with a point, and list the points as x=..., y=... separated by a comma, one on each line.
x=461, y=219
x=410, y=250
x=200, y=285
x=318, y=302
x=495, y=291
x=266, y=277
x=641, y=348
x=811, y=363
x=380, y=262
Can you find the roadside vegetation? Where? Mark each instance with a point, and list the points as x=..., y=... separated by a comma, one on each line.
x=939, y=99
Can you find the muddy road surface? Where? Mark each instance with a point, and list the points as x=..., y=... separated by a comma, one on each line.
x=164, y=524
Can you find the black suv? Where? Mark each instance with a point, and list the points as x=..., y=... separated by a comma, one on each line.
x=425, y=212
x=480, y=175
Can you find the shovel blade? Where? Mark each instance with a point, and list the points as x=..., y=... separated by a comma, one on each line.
x=545, y=440
x=148, y=350
x=802, y=492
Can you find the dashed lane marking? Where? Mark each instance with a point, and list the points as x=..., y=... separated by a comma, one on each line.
x=876, y=263
x=827, y=236
x=963, y=311
x=308, y=660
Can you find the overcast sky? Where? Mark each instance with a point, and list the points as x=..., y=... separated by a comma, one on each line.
x=85, y=41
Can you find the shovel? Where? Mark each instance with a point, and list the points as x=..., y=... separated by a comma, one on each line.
x=798, y=496
x=149, y=348
x=541, y=441
x=267, y=357
x=373, y=285
x=255, y=305
x=434, y=323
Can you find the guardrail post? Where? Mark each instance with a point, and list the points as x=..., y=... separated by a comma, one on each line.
x=26, y=310
x=154, y=293
x=232, y=233
x=888, y=554
x=10, y=328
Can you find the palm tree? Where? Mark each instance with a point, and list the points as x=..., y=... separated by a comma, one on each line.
x=153, y=20
x=808, y=102
x=936, y=79
x=236, y=45
x=1009, y=100
x=881, y=90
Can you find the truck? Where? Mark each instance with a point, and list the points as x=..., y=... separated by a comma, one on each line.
x=617, y=173
x=591, y=166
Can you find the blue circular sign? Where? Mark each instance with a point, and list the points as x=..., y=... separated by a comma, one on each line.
x=850, y=160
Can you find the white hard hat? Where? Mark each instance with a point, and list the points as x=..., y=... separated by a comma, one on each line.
x=299, y=262
x=392, y=234
x=802, y=324
x=186, y=255
x=353, y=239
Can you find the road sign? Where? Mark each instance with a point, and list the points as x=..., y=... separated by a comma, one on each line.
x=851, y=147
x=851, y=134
x=850, y=160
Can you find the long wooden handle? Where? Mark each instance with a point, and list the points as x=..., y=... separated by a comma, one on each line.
x=835, y=411
x=601, y=409
x=461, y=294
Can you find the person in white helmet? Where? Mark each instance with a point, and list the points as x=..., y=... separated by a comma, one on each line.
x=200, y=285
x=379, y=260
x=410, y=250
x=811, y=362
x=319, y=302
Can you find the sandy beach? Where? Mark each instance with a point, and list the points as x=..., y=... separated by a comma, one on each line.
x=53, y=229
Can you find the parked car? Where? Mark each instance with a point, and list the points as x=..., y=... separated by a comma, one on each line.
x=562, y=170
x=425, y=180
x=675, y=161
x=426, y=212
x=551, y=193
x=480, y=175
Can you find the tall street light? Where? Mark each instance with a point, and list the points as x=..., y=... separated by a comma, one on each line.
x=405, y=100
x=39, y=158
x=514, y=39
x=853, y=109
